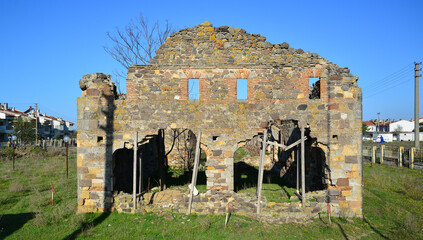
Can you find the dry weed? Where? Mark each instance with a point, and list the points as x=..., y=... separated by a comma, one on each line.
x=16, y=187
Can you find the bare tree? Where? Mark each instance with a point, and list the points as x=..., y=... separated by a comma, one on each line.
x=137, y=43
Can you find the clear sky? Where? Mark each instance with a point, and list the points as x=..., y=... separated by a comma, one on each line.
x=46, y=46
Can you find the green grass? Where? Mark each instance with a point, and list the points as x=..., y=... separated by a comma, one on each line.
x=393, y=144
x=393, y=208
x=239, y=154
x=273, y=193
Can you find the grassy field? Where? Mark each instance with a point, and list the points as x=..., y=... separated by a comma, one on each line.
x=407, y=144
x=393, y=208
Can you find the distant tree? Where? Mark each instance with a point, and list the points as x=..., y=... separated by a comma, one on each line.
x=57, y=137
x=24, y=129
x=74, y=134
x=137, y=43
x=364, y=128
x=398, y=129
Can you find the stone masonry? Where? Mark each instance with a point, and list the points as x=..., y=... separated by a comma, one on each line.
x=278, y=89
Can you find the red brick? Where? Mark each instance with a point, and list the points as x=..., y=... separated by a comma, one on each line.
x=333, y=106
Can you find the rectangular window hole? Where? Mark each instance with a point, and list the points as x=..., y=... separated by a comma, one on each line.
x=99, y=139
x=215, y=138
x=314, y=87
x=193, y=89
x=241, y=88
x=335, y=137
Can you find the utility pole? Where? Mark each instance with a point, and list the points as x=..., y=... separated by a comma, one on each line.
x=416, y=105
x=377, y=130
x=36, y=123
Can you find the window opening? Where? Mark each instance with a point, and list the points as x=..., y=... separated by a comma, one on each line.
x=314, y=87
x=193, y=89
x=241, y=88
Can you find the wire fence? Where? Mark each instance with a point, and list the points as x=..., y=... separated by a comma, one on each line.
x=396, y=155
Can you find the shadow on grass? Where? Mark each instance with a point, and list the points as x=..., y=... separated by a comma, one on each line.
x=374, y=229
x=88, y=225
x=10, y=223
x=342, y=231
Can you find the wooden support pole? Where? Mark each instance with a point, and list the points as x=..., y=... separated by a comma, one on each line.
x=195, y=171
x=373, y=154
x=297, y=155
x=160, y=155
x=412, y=151
x=261, y=169
x=134, y=182
x=284, y=148
x=295, y=144
x=140, y=182
x=382, y=152
x=303, y=194
x=401, y=151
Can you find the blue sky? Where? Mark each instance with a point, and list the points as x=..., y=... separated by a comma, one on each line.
x=46, y=46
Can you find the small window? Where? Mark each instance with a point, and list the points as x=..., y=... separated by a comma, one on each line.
x=241, y=88
x=193, y=89
x=314, y=87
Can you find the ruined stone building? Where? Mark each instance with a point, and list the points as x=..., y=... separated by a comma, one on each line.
x=193, y=84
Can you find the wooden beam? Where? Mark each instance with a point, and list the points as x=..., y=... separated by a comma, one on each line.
x=195, y=171
x=297, y=157
x=134, y=178
x=295, y=143
x=284, y=148
x=302, y=167
x=261, y=169
x=140, y=181
x=273, y=143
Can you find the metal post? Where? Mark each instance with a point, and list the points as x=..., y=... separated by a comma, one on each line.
x=134, y=182
x=195, y=171
x=261, y=169
x=67, y=169
x=416, y=105
x=303, y=194
x=13, y=164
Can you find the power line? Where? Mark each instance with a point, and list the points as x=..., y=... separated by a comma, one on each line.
x=388, y=82
x=392, y=75
x=384, y=89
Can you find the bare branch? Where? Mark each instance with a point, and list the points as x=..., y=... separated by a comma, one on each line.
x=138, y=42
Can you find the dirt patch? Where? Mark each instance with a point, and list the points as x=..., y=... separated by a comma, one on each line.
x=165, y=196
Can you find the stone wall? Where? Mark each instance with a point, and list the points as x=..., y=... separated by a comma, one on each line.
x=278, y=89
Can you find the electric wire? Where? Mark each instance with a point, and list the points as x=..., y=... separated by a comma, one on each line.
x=385, y=89
x=389, y=82
x=390, y=76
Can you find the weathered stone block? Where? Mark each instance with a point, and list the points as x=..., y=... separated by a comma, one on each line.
x=85, y=183
x=342, y=182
